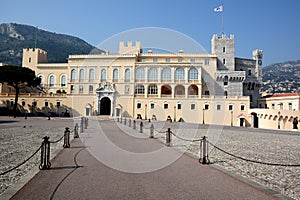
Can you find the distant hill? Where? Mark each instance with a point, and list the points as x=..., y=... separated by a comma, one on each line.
x=15, y=37
x=281, y=77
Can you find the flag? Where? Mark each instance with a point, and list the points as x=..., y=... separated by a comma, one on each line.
x=219, y=8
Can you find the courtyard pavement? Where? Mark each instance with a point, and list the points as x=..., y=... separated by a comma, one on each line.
x=78, y=174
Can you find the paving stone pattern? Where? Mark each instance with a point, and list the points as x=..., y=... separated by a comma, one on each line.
x=20, y=142
x=270, y=146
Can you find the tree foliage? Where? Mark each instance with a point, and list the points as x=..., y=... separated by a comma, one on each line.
x=18, y=77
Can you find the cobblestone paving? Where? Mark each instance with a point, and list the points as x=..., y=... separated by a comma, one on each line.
x=20, y=142
x=255, y=144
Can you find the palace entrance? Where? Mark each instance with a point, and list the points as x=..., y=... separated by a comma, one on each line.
x=105, y=99
x=105, y=105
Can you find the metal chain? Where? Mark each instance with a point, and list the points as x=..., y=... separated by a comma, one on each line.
x=188, y=140
x=3, y=173
x=254, y=161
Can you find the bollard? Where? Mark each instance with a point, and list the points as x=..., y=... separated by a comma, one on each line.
x=203, y=151
x=168, y=137
x=45, y=154
x=129, y=122
x=141, y=127
x=85, y=123
x=121, y=119
x=76, y=131
x=118, y=119
x=67, y=138
x=124, y=121
x=149, y=120
x=151, y=131
x=134, y=124
x=81, y=125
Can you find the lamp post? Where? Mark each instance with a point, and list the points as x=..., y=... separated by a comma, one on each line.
x=146, y=111
x=231, y=123
x=203, y=116
x=174, y=113
x=278, y=120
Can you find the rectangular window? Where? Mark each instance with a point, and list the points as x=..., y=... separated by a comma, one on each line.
x=179, y=106
x=138, y=105
x=180, y=60
x=34, y=104
x=155, y=60
x=266, y=106
x=58, y=104
x=224, y=61
x=168, y=60
x=290, y=106
x=151, y=105
x=224, y=49
x=206, y=61
x=91, y=89
x=281, y=106
x=230, y=107
x=249, y=72
x=193, y=106
x=206, y=107
x=80, y=88
x=192, y=60
x=143, y=60
x=242, y=107
x=72, y=88
x=23, y=103
x=127, y=89
x=46, y=103
x=273, y=106
x=166, y=105
x=218, y=107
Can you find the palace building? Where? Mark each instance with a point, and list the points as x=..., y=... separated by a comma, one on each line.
x=209, y=88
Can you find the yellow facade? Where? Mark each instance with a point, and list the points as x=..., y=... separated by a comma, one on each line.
x=131, y=83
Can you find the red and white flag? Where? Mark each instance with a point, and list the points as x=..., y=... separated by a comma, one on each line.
x=219, y=8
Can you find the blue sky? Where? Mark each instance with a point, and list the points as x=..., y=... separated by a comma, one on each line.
x=272, y=26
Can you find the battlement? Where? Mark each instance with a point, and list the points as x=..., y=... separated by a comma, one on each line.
x=223, y=37
x=33, y=56
x=257, y=54
x=130, y=47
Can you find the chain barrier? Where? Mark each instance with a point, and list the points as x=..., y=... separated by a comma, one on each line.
x=188, y=140
x=253, y=161
x=22, y=163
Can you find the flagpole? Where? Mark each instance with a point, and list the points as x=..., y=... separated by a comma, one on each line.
x=223, y=19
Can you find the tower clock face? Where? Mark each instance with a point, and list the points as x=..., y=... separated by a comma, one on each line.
x=259, y=62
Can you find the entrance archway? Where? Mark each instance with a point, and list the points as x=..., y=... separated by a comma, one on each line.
x=254, y=119
x=105, y=105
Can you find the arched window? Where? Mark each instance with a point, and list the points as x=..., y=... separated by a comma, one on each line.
x=139, y=89
x=152, y=89
x=103, y=75
x=63, y=81
x=81, y=75
x=225, y=80
x=91, y=75
x=51, y=81
x=179, y=90
x=179, y=74
x=140, y=74
x=73, y=75
x=115, y=75
x=152, y=74
x=193, y=74
x=166, y=74
x=127, y=75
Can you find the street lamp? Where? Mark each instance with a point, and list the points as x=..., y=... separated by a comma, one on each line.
x=231, y=118
x=174, y=113
x=278, y=120
x=203, y=116
x=146, y=111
